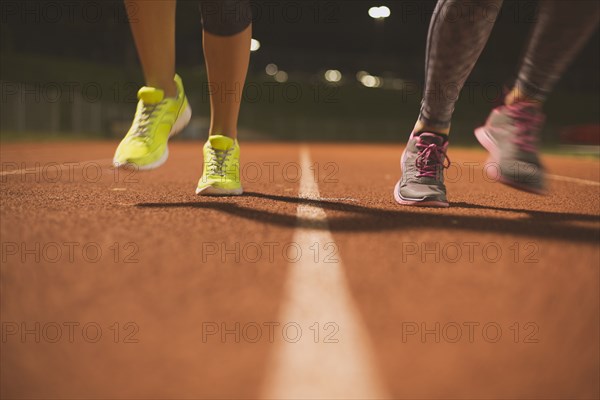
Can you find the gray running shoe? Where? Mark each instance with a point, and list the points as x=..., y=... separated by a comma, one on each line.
x=423, y=163
x=511, y=135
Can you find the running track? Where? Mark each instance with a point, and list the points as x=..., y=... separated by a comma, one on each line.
x=495, y=297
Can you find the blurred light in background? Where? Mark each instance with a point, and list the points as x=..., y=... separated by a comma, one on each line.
x=254, y=45
x=271, y=69
x=379, y=12
x=371, y=81
x=361, y=74
x=281, y=76
x=333, y=75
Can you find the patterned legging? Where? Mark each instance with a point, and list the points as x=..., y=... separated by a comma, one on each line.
x=459, y=30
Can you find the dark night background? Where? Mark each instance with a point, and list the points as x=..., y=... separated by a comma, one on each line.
x=48, y=41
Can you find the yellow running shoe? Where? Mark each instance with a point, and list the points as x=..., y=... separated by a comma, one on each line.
x=221, y=174
x=157, y=119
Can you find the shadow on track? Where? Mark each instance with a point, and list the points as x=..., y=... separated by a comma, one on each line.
x=541, y=224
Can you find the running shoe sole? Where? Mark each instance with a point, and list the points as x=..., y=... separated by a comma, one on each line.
x=417, y=202
x=213, y=191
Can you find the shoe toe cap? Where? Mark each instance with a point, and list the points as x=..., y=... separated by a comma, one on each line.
x=421, y=192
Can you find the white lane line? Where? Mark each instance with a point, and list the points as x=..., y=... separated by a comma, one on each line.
x=51, y=165
x=572, y=180
x=316, y=291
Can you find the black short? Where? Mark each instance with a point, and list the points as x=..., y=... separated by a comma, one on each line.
x=225, y=17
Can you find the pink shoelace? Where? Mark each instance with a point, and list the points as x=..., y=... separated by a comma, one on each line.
x=527, y=124
x=429, y=158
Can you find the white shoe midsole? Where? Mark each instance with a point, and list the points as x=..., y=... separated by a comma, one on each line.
x=182, y=121
x=215, y=191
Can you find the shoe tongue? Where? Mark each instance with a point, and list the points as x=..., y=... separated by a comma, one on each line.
x=220, y=142
x=150, y=95
x=428, y=138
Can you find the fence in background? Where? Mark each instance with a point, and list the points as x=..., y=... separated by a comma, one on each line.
x=50, y=109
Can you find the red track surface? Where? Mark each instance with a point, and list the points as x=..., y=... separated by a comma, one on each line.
x=496, y=257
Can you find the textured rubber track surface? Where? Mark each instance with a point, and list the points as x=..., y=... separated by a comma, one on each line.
x=494, y=258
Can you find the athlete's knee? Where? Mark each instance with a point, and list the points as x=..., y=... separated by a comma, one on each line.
x=225, y=17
